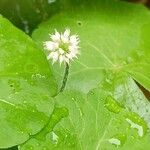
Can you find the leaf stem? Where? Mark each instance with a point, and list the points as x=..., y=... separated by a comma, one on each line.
x=65, y=78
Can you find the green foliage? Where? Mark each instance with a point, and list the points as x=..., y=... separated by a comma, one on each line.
x=92, y=123
x=26, y=85
x=101, y=106
x=116, y=42
x=26, y=14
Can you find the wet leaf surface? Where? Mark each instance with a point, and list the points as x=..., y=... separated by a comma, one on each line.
x=26, y=86
x=114, y=51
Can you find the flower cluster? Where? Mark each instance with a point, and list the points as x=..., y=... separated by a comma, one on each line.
x=62, y=47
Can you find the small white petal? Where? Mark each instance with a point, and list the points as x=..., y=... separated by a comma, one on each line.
x=57, y=33
x=49, y=45
x=73, y=48
x=61, y=59
x=55, y=56
x=74, y=40
x=56, y=37
x=61, y=51
x=67, y=33
x=64, y=39
x=74, y=54
x=69, y=56
x=50, y=55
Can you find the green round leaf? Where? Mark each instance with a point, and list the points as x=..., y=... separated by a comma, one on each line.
x=116, y=115
x=26, y=85
x=111, y=36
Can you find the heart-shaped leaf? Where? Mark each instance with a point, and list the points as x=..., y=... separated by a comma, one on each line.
x=113, y=37
x=114, y=49
x=26, y=85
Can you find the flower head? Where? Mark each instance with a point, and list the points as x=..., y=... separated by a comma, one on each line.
x=62, y=47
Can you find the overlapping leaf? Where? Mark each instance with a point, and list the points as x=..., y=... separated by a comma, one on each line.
x=96, y=121
x=113, y=37
x=26, y=85
x=114, y=49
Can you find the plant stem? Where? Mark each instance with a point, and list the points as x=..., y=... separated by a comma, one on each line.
x=65, y=78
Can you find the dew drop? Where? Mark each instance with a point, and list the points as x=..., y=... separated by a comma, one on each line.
x=136, y=126
x=115, y=141
x=34, y=76
x=73, y=99
x=42, y=121
x=136, y=122
x=70, y=140
x=37, y=144
x=28, y=147
x=118, y=139
x=31, y=148
x=112, y=105
x=8, y=65
x=108, y=80
x=1, y=35
x=32, y=83
x=54, y=138
x=14, y=85
x=24, y=102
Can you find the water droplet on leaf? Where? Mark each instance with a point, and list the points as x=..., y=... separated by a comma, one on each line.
x=108, y=80
x=24, y=102
x=118, y=139
x=31, y=148
x=54, y=137
x=73, y=99
x=115, y=141
x=14, y=85
x=136, y=122
x=112, y=105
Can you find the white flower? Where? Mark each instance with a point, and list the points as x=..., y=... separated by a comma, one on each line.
x=62, y=47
